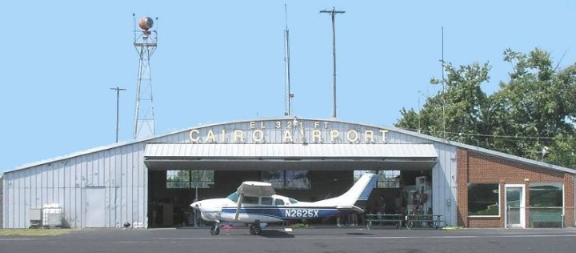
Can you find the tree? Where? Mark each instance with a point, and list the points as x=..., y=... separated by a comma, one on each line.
x=532, y=111
x=464, y=103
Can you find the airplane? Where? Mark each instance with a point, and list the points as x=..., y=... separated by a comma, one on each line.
x=256, y=202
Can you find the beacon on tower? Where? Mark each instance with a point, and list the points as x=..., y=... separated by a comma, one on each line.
x=145, y=42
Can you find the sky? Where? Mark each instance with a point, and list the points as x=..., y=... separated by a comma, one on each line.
x=219, y=61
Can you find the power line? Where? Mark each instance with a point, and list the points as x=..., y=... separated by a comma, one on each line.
x=487, y=135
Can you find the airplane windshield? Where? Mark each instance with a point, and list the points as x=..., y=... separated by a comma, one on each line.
x=233, y=197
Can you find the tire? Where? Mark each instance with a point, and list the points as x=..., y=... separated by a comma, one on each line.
x=215, y=230
x=255, y=230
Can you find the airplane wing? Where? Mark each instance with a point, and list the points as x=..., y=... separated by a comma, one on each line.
x=256, y=189
x=253, y=189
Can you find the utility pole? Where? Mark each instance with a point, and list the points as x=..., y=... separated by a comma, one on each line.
x=118, y=90
x=333, y=13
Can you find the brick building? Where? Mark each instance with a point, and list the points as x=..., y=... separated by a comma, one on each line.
x=513, y=178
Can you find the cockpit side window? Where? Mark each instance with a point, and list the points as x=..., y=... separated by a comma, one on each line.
x=250, y=200
x=233, y=197
x=279, y=202
x=266, y=201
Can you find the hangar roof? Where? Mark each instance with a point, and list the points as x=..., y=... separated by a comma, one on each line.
x=431, y=139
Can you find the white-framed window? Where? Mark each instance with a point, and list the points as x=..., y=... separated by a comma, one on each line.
x=546, y=204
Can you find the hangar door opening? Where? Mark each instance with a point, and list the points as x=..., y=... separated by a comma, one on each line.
x=170, y=193
x=402, y=192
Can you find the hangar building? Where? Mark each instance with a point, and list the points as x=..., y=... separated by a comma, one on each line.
x=151, y=182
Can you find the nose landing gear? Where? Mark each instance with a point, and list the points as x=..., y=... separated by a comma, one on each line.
x=215, y=229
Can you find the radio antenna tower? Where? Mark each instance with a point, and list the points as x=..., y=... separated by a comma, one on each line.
x=289, y=95
x=145, y=42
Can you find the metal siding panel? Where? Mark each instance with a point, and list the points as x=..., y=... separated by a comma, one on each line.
x=130, y=186
x=49, y=177
x=33, y=192
x=79, y=208
x=136, y=197
x=67, y=208
x=436, y=201
x=8, y=202
x=27, y=194
x=74, y=177
x=83, y=172
x=107, y=184
x=101, y=165
x=38, y=186
x=142, y=186
x=119, y=207
x=454, y=189
x=448, y=189
x=17, y=201
x=4, y=200
x=61, y=195
x=118, y=189
x=77, y=172
x=22, y=200
x=89, y=172
x=11, y=204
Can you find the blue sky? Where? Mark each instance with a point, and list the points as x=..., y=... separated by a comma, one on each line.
x=223, y=60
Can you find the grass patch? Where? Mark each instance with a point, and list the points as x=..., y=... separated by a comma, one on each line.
x=33, y=232
x=299, y=225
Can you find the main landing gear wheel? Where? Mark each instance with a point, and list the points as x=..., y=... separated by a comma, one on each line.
x=215, y=230
x=255, y=230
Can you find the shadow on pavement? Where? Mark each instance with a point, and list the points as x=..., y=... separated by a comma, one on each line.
x=275, y=234
x=356, y=233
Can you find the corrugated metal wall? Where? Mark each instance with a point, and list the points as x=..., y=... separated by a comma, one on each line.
x=121, y=171
x=1, y=203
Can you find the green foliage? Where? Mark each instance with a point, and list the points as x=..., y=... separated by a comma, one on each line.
x=534, y=109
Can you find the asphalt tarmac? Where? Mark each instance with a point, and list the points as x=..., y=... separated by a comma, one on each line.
x=349, y=239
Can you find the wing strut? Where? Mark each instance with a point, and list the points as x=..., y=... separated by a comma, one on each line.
x=240, y=200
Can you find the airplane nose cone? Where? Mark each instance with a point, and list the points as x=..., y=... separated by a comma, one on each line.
x=196, y=205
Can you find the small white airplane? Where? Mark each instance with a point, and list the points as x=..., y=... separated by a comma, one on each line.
x=256, y=202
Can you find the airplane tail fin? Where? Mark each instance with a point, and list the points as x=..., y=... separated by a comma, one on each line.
x=360, y=191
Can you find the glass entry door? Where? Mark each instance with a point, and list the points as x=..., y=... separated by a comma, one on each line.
x=515, y=203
